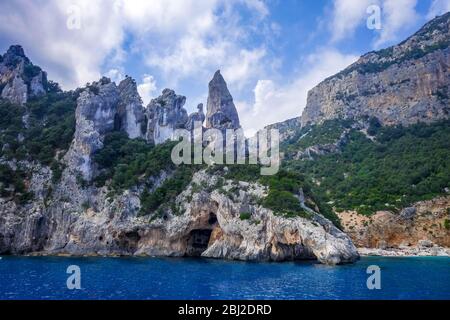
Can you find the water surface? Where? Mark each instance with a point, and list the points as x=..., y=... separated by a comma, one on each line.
x=155, y=278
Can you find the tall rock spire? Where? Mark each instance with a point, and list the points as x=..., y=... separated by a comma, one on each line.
x=131, y=113
x=222, y=112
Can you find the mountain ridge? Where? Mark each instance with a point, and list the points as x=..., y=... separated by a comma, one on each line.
x=402, y=84
x=87, y=172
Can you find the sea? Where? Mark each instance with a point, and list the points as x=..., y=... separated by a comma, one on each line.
x=379, y=278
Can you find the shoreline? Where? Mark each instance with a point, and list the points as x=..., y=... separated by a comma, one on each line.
x=363, y=252
x=405, y=252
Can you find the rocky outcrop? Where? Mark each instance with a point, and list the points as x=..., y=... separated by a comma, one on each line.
x=221, y=111
x=20, y=80
x=263, y=236
x=209, y=224
x=165, y=114
x=131, y=114
x=196, y=118
x=403, y=84
x=69, y=214
x=425, y=222
x=287, y=129
x=312, y=152
x=97, y=108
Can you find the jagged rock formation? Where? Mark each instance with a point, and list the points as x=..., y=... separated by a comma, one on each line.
x=131, y=114
x=74, y=216
x=196, y=117
x=165, y=115
x=402, y=84
x=209, y=226
x=19, y=78
x=97, y=108
x=221, y=112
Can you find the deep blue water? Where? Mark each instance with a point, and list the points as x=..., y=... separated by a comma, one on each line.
x=151, y=278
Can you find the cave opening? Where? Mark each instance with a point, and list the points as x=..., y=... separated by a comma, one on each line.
x=198, y=242
x=212, y=219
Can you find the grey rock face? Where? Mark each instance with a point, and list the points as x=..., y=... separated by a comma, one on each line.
x=95, y=115
x=196, y=117
x=287, y=129
x=210, y=220
x=15, y=90
x=19, y=78
x=165, y=114
x=131, y=114
x=221, y=113
x=403, y=84
x=408, y=213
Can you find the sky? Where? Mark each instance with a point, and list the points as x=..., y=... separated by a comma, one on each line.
x=270, y=52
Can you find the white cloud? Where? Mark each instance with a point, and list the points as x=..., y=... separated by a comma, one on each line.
x=115, y=75
x=211, y=41
x=159, y=29
x=72, y=57
x=257, y=5
x=147, y=89
x=347, y=16
x=274, y=102
x=396, y=16
x=244, y=66
x=399, y=15
x=438, y=7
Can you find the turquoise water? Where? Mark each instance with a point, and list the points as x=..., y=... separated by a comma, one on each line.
x=151, y=278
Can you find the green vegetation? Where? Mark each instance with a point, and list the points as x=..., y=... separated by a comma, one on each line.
x=245, y=216
x=130, y=162
x=283, y=203
x=447, y=224
x=403, y=166
x=284, y=189
x=166, y=194
x=328, y=133
x=30, y=71
x=38, y=131
x=50, y=127
x=12, y=184
x=127, y=163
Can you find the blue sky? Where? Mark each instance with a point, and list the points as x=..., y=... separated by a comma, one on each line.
x=271, y=52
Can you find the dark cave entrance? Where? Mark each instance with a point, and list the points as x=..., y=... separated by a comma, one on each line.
x=198, y=242
x=198, y=239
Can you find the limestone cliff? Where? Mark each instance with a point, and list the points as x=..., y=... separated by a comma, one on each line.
x=82, y=221
x=165, y=115
x=97, y=107
x=20, y=80
x=131, y=113
x=403, y=84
